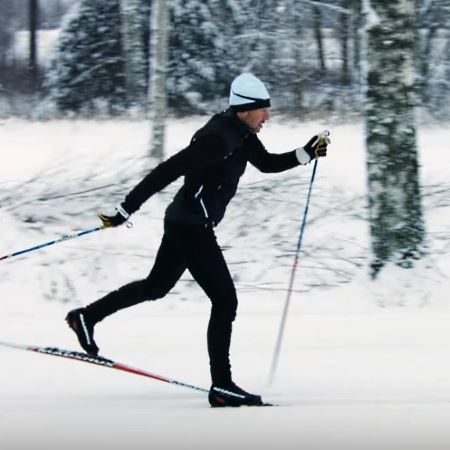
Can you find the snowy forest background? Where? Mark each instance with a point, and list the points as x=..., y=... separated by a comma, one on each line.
x=91, y=59
x=364, y=362
x=342, y=61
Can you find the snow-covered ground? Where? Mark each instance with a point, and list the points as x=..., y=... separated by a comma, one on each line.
x=363, y=365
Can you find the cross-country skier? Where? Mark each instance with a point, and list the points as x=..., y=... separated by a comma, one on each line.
x=212, y=165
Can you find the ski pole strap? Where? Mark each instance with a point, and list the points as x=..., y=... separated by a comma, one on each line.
x=63, y=238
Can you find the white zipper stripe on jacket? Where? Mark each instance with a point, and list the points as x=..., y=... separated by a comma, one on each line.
x=199, y=191
x=201, y=201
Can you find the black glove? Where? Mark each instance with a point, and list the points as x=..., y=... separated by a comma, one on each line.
x=317, y=145
x=114, y=221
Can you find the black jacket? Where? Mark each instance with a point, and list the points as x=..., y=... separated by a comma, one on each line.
x=212, y=165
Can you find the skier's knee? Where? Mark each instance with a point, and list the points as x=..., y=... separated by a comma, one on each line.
x=226, y=310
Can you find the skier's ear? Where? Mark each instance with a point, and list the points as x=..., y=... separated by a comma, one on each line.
x=242, y=115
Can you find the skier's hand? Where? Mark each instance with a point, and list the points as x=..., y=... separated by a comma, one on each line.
x=116, y=220
x=111, y=221
x=317, y=145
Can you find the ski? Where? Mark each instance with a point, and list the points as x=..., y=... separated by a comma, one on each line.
x=105, y=362
x=99, y=361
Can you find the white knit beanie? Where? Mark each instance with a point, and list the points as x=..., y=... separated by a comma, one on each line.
x=248, y=92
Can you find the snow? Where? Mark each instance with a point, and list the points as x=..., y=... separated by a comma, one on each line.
x=46, y=41
x=372, y=18
x=363, y=365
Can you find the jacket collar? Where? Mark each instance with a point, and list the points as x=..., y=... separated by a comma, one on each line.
x=232, y=117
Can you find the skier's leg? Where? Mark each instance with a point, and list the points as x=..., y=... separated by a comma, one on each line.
x=205, y=261
x=166, y=271
x=207, y=265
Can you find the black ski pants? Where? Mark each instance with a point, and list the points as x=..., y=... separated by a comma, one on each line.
x=192, y=247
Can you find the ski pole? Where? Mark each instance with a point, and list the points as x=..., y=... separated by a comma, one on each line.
x=63, y=238
x=324, y=135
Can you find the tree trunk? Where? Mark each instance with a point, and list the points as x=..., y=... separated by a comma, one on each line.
x=299, y=81
x=356, y=23
x=158, y=90
x=396, y=223
x=33, y=17
x=134, y=52
x=344, y=27
x=7, y=29
x=317, y=25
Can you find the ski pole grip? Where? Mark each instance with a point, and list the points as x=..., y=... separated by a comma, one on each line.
x=324, y=136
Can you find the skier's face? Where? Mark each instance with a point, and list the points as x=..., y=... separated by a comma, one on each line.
x=255, y=119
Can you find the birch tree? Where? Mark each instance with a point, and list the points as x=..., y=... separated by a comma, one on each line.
x=158, y=88
x=396, y=223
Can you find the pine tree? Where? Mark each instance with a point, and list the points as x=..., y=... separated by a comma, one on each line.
x=396, y=222
x=88, y=70
x=196, y=57
x=289, y=75
x=432, y=57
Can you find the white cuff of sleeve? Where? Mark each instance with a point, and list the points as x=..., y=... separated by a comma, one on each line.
x=302, y=157
x=122, y=212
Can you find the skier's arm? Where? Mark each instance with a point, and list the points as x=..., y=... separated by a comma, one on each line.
x=269, y=162
x=201, y=153
x=279, y=162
